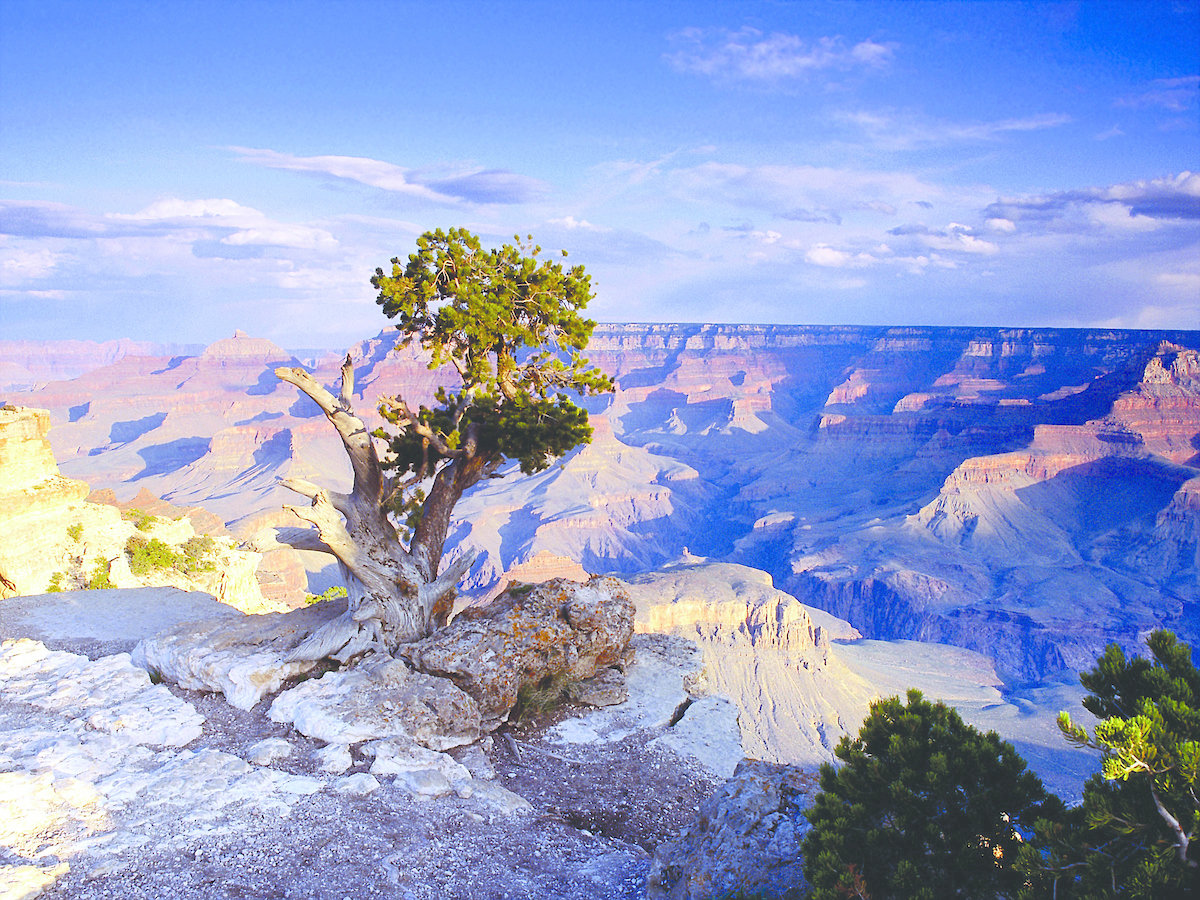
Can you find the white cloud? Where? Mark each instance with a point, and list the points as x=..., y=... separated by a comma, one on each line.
x=749, y=55
x=1004, y=226
x=1172, y=94
x=571, y=224
x=1187, y=282
x=18, y=265
x=1170, y=198
x=298, y=236
x=785, y=190
x=824, y=255
x=174, y=208
x=372, y=172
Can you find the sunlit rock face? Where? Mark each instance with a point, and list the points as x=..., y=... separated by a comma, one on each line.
x=34, y=501
x=54, y=539
x=1028, y=493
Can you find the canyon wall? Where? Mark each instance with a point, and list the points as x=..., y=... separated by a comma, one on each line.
x=52, y=538
x=1028, y=493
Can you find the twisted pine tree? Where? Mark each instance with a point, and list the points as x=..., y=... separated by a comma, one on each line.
x=510, y=325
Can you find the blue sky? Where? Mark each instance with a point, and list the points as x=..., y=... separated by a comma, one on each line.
x=172, y=171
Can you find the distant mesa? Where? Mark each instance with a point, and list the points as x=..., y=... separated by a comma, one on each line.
x=242, y=345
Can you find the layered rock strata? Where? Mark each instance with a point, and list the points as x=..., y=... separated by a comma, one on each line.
x=57, y=540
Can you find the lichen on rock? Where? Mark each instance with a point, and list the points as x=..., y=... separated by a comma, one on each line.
x=528, y=634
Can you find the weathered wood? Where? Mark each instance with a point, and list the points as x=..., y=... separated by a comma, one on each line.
x=395, y=596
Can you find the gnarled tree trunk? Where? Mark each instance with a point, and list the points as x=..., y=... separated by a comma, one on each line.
x=395, y=595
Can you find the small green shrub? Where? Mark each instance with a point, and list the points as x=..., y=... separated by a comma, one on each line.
x=329, y=594
x=145, y=556
x=195, y=554
x=99, y=580
x=56, y=583
x=75, y=532
x=141, y=519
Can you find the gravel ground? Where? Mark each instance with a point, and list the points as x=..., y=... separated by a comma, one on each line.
x=598, y=811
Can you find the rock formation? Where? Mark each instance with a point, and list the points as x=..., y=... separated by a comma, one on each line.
x=26, y=364
x=468, y=674
x=1028, y=493
x=526, y=637
x=60, y=541
x=1039, y=557
x=745, y=842
x=764, y=651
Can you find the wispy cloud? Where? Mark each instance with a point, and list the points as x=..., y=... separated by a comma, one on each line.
x=796, y=193
x=1172, y=94
x=475, y=185
x=211, y=224
x=905, y=131
x=749, y=55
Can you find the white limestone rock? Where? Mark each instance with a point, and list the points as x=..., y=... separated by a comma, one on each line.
x=111, y=620
x=422, y=772
x=380, y=698
x=269, y=750
x=70, y=791
x=244, y=658
x=110, y=694
x=357, y=785
x=334, y=758
x=665, y=684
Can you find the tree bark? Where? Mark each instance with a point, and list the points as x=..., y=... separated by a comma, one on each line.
x=394, y=596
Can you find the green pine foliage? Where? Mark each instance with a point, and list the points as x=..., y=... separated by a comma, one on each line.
x=924, y=807
x=510, y=324
x=1131, y=837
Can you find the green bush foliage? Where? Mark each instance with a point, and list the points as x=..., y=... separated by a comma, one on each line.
x=75, y=532
x=99, y=579
x=56, y=583
x=196, y=553
x=193, y=556
x=328, y=594
x=924, y=807
x=1131, y=836
x=141, y=519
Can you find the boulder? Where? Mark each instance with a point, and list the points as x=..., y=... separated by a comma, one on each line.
x=380, y=698
x=559, y=629
x=244, y=658
x=745, y=842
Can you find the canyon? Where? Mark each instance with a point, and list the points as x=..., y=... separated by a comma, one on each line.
x=1024, y=495
x=805, y=518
